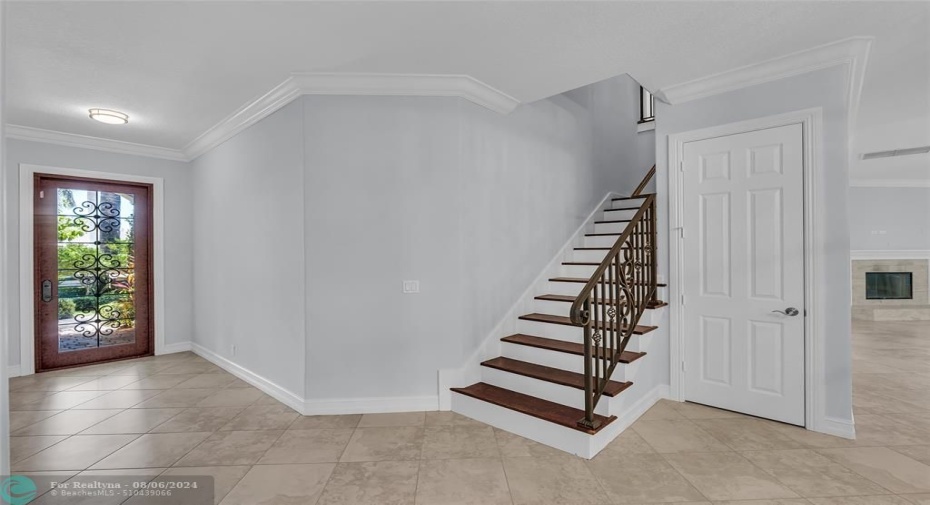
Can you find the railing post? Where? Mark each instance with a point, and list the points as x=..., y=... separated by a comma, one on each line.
x=653, y=253
x=588, y=421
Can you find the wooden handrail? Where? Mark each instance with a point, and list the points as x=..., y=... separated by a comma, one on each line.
x=576, y=312
x=613, y=300
x=642, y=184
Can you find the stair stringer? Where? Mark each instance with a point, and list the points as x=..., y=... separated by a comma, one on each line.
x=470, y=371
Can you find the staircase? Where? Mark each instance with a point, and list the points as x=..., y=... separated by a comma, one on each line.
x=565, y=376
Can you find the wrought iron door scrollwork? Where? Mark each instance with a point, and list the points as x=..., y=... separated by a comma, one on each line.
x=99, y=273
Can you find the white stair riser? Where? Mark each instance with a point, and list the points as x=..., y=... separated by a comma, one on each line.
x=566, y=439
x=617, y=214
x=583, y=271
x=587, y=256
x=549, y=330
x=650, y=317
x=552, y=392
x=545, y=357
x=567, y=333
x=556, y=359
x=574, y=288
x=565, y=288
x=625, y=204
x=610, y=227
x=600, y=240
x=564, y=309
x=554, y=308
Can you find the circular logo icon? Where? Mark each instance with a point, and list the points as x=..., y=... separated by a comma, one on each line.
x=17, y=490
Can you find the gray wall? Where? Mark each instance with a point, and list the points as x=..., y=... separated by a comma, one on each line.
x=470, y=203
x=249, y=249
x=621, y=155
x=824, y=88
x=352, y=195
x=178, y=230
x=903, y=214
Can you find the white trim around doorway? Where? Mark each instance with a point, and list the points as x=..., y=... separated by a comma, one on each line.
x=26, y=258
x=814, y=249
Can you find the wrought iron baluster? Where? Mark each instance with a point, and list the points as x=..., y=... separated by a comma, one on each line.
x=588, y=421
x=653, y=253
x=597, y=338
x=613, y=300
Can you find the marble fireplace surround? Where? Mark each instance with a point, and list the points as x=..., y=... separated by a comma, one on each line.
x=917, y=308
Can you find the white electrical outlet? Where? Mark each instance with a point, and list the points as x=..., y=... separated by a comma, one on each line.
x=411, y=286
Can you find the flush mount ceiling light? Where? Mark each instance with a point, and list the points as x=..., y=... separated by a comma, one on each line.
x=108, y=116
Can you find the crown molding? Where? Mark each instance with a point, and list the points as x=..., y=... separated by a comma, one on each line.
x=88, y=142
x=889, y=183
x=298, y=84
x=244, y=117
x=853, y=52
x=462, y=86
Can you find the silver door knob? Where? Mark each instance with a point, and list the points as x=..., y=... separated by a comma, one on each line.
x=790, y=311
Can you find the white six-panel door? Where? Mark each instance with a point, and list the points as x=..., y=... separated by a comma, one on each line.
x=743, y=248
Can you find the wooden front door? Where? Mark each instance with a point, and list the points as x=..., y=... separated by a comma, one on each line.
x=93, y=278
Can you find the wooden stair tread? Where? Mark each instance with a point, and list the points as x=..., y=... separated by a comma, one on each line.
x=584, y=280
x=557, y=413
x=552, y=344
x=571, y=299
x=613, y=221
x=625, y=208
x=637, y=197
x=565, y=320
x=549, y=374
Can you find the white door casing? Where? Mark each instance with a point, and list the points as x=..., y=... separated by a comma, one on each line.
x=743, y=258
x=27, y=289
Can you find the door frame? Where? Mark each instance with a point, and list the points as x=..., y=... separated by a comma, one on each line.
x=815, y=254
x=26, y=255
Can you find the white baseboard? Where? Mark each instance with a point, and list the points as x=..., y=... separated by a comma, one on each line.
x=14, y=371
x=275, y=391
x=843, y=428
x=319, y=407
x=176, y=347
x=370, y=405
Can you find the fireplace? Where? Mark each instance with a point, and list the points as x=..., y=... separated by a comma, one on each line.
x=891, y=289
x=889, y=285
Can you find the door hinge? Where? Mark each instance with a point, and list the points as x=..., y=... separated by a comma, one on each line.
x=41, y=194
x=682, y=300
x=684, y=368
x=681, y=165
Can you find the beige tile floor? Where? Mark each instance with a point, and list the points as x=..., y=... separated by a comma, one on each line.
x=180, y=415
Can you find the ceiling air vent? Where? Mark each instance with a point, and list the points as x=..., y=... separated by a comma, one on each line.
x=896, y=152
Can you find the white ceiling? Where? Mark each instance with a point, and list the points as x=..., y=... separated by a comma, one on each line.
x=179, y=68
